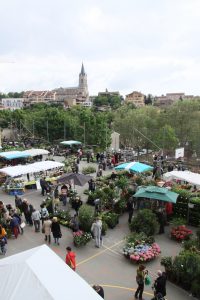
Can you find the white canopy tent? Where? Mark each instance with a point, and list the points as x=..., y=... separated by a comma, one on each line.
x=40, y=274
x=31, y=168
x=193, y=178
x=35, y=152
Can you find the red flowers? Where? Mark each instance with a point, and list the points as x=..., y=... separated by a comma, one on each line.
x=181, y=233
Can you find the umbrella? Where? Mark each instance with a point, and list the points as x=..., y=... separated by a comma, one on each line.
x=69, y=143
x=158, y=193
x=134, y=167
x=79, y=179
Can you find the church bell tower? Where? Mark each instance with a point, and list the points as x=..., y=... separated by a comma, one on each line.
x=83, y=81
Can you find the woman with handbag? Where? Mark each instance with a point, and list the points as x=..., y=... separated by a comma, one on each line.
x=140, y=281
x=55, y=229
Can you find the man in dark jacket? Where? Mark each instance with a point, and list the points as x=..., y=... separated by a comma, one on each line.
x=130, y=208
x=160, y=284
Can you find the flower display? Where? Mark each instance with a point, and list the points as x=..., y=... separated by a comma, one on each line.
x=181, y=233
x=141, y=250
x=81, y=238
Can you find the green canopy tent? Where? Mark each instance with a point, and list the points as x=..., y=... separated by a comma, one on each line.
x=157, y=193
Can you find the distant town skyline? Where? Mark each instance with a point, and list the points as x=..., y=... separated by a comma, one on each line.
x=147, y=46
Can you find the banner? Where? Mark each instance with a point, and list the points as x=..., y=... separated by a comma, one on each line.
x=179, y=153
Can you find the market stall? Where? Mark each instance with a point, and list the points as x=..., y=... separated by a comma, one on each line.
x=36, y=152
x=36, y=167
x=14, y=187
x=193, y=178
x=12, y=156
x=134, y=166
x=70, y=143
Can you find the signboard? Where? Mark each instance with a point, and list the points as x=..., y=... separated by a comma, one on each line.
x=179, y=153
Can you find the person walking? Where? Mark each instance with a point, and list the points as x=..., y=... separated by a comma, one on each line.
x=96, y=230
x=130, y=208
x=55, y=228
x=46, y=229
x=140, y=281
x=44, y=212
x=27, y=210
x=36, y=219
x=99, y=290
x=14, y=225
x=70, y=258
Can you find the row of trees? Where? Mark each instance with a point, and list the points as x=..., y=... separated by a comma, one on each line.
x=52, y=123
x=11, y=95
x=153, y=128
x=143, y=128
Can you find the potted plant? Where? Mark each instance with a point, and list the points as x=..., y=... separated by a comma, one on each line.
x=81, y=238
x=181, y=233
x=145, y=221
x=140, y=248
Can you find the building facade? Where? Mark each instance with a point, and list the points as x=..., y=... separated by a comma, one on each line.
x=74, y=95
x=66, y=96
x=170, y=98
x=12, y=103
x=136, y=98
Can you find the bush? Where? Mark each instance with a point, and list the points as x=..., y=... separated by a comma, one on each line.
x=122, y=182
x=166, y=261
x=111, y=219
x=178, y=222
x=86, y=217
x=145, y=221
x=120, y=206
x=88, y=170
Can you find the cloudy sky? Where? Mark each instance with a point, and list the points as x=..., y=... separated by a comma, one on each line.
x=151, y=46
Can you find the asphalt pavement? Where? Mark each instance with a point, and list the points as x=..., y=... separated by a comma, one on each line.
x=105, y=266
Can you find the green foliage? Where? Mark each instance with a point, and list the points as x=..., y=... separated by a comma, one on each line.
x=178, y=222
x=111, y=219
x=166, y=261
x=89, y=170
x=122, y=182
x=139, y=238
x=113, y=101
x=145, y=221
x=86, y=217
x=139, y=180
x=120, y=206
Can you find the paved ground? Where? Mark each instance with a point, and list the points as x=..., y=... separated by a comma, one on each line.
x=106, y=266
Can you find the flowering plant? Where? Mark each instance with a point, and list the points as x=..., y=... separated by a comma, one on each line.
x=141, y=248
x=81, y=238
x=181, y=233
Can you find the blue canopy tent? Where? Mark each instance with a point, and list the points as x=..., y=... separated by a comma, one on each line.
x=13, y=155
x=134, y=167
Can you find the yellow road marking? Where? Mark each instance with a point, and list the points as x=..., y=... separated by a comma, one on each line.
x=123, y=288
x=99, y=253
x=113, y=251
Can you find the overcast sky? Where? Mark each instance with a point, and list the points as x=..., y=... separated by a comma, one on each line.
x=152, y=46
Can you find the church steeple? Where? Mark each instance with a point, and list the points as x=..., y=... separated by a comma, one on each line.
x=82, y=70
